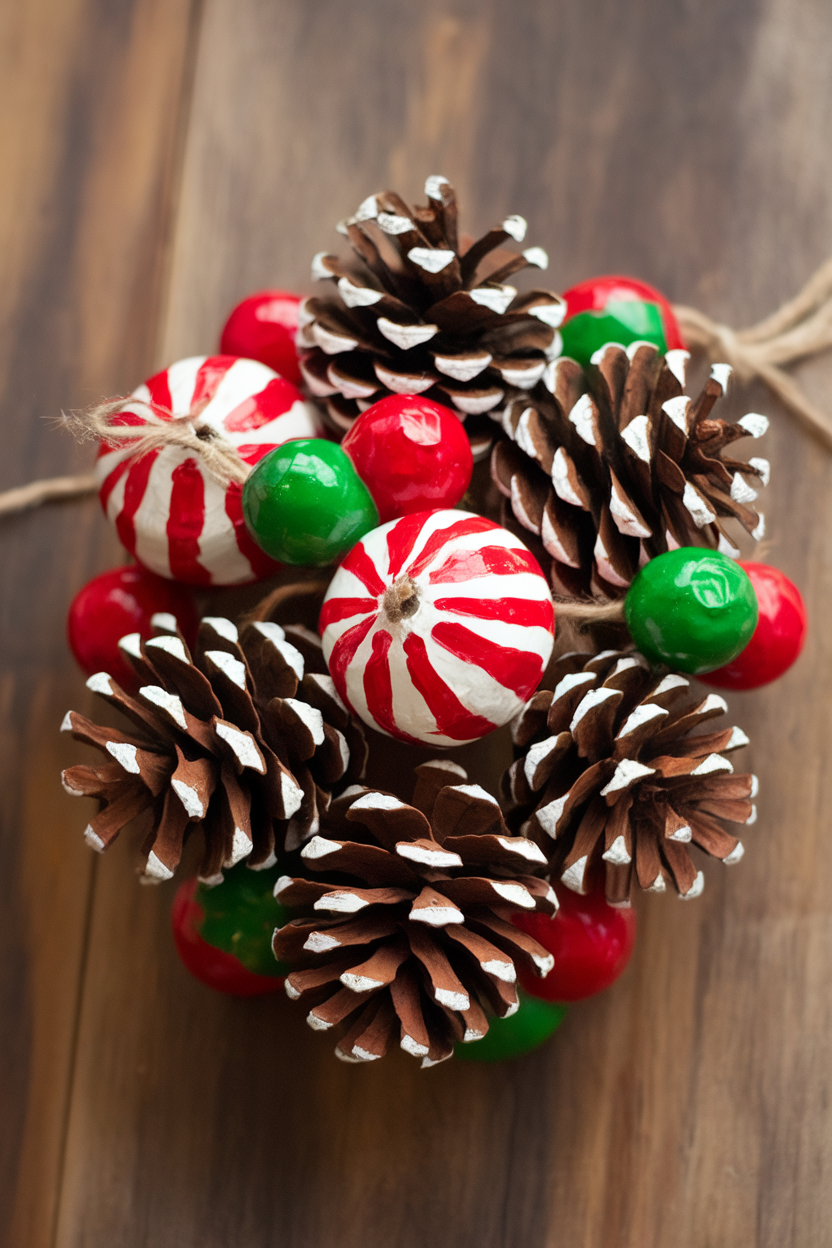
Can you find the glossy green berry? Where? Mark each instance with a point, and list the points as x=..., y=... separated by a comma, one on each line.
x=533, y=1022
x=691, y=608
x=241, y=915
x=304, y=503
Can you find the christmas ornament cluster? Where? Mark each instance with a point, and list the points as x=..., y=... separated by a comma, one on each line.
x=518, y=517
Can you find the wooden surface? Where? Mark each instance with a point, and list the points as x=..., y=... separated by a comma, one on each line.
x=160, y=159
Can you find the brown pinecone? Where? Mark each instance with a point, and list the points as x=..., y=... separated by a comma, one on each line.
x=416, y=314
x=406, y=934
x=616, y=466
x=613, y=771
x=242, y=740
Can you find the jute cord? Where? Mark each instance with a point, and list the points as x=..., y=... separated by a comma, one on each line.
x=219, y=457
x=801, y=327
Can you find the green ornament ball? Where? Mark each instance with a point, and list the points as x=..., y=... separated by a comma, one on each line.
x=692, y=609
x=241, y=914
x=526, y=1029
x=304, y=503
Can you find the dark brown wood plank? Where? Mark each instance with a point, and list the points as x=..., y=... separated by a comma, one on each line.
x=687, y=1106
x=89, y=96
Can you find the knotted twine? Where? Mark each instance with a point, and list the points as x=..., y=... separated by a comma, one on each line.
x=219, y=457
x=800, y=328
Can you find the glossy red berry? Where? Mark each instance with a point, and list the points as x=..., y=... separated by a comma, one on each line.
x=263, y=328
x=777, y=639
x=591, y=943
x=119, y=602
x=210, y=965
x=412, y=454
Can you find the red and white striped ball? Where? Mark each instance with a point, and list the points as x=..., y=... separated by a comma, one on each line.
x=437, y=627
x=169, y=513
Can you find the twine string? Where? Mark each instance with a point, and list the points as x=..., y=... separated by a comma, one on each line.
x=219, y=457
x=583, y=612
x=266, y=607
x=801, y=327
x=37, y=492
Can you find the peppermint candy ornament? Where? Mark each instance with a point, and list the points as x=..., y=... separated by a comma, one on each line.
x=437, y=627
x=168, y=510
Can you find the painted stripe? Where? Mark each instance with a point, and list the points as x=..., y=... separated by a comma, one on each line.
x=467, y=565
x=518, y=670
x=242, y=380
x=273, y=401
x=182, y=379
x=209, y=375
x=261, y=565
x=434, y=544
x=158, y=389
x=186, y=518
x=343, y=652
x=335, y=609
x=361, y=565
x=378, y=688
x=477, y=691
x=116, y=499
x=218, y=549
x=111, y=481
x=134, y=491
x=522, y=611
x=117, y=457
x=452, y=718
x=400, y=542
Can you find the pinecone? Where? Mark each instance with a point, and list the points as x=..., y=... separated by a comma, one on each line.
x=613, y=772
x=240, y=740
x=407, y=934
x=613, y=475
x=416, y=314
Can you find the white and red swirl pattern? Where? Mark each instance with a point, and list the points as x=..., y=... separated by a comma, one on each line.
x=167, y=510
x=470, y=646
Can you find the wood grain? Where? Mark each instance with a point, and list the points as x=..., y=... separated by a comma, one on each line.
x=687, y=1106
x=89, y=96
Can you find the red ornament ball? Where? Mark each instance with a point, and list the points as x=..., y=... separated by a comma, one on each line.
x=777, y=639
x=590, y=940
x=412, y=455
x=437, y=627
x=119, y=602
x=263, y=327
x=211, y=966
x=168, y=510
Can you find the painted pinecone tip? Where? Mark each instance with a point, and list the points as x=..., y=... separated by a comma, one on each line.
x=404, y=933
x=612, y=467
x=415, y=312
x=615, y=773
x=245, y=739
